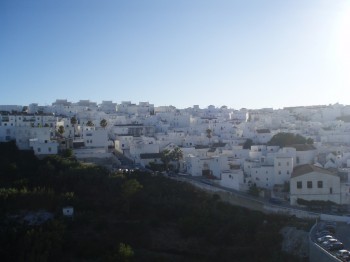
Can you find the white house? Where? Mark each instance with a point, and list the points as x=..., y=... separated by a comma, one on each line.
x=207, y=166
x=283, y=168
x=95, y=137
x=310, y=182
x=263, y=176
x=24, y=134
x=232, y=179
x=43, y=147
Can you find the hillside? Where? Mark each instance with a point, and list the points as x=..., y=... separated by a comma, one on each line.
x=121, y=217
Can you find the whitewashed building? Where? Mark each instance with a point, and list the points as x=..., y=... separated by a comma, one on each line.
x=233, y=179
x=310, y=182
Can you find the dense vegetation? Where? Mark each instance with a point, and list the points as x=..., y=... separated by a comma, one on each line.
x=122, y=217
x=287, y=139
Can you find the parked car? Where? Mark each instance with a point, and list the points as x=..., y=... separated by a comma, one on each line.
x=324, y=238
x=329, y=241
x=335, y=246
x=342, y=254
x=345, y=258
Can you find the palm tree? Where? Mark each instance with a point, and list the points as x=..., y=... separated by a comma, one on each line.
x=209, y=133
x=103, y=123
x=89, y=123
x=73, y=121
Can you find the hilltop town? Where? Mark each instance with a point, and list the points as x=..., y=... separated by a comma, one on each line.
x=235, y=148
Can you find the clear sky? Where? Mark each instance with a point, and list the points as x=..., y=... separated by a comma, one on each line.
x=238, y=53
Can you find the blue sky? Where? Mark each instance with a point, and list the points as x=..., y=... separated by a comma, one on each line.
x=238, y=53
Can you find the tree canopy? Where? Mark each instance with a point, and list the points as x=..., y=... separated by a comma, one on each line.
x=103, y=123
x=89, y=123
x=247, y=144
x=61, y=130
x=174, y=155
x=73, y=120
x=287, y=139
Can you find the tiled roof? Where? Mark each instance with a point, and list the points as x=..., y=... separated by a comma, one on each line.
x=307, y=168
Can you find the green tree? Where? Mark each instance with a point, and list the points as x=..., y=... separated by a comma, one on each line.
x=73, y=122
x=61, y=130
x=209, y=133
x=128, y=189
x=247, y=144
x=89, y=123
x=287, y=139
x=103, y=123
x=165, y=157
x=67, y=153
x=309, y=141
x=177, y=155
x=125, y=252
x=253, y=190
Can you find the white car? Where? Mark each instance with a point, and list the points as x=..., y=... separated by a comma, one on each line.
x=329, y=241
x=324, y=238
x=342, y=253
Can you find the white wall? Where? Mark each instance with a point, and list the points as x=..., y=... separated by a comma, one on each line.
x=232, y=179
x=283, y=168
x=315, y=193
x=43, y=147
x=95, y=137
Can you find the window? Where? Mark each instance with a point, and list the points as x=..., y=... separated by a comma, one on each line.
x=330, y=190
x=287, y=163
x=279, y=172
x=279, y=163
x=49, y=149
x=320, y=184
x=39, y=149
x=299, y=184
x=309, y=184
x=287, y=172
